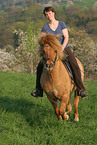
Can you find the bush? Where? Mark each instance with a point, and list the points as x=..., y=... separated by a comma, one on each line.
x=84, y=49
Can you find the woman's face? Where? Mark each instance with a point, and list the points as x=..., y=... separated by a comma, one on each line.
x=50, y=15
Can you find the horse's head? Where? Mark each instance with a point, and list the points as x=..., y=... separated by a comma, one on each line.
x=49, y=57
x=50, y=50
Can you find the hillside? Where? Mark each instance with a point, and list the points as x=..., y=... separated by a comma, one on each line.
x=17, y=14
x=79, y=3
x=24, y=14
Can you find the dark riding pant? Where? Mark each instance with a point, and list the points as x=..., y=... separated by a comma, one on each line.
x=75, y=69
x=39, y=73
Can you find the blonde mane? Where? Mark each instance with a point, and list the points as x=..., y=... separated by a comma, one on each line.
x=53, y=41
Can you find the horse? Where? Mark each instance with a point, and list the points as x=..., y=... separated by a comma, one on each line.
x=55, y=79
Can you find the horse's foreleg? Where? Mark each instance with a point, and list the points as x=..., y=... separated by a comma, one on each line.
x=75, y=103
x=56, y=108
x=62, y=109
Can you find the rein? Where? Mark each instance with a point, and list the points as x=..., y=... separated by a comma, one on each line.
x=54, y=61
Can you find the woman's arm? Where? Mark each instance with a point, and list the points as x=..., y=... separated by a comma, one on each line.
x=66, y=37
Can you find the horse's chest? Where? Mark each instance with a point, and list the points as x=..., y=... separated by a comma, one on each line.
x=52, y=91
x=50, y=88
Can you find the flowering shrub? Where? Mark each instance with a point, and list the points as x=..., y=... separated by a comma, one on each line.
x=26, y=56
x=27, y=51
x=7, y=60
x=84, y=49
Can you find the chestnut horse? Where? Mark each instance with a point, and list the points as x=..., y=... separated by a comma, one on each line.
x=55, y=79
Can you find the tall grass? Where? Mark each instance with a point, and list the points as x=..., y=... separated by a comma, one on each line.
x=25, y=120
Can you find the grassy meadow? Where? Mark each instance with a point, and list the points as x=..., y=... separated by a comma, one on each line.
x=25, y=120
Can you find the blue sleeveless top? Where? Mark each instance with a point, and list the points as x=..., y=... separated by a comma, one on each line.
x=46, y=29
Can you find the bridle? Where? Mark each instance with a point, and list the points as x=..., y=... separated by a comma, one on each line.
x=54, y=61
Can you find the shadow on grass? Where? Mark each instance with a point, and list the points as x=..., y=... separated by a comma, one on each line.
x=33, y=112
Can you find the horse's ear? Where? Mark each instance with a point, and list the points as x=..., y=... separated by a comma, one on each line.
x=41, y=38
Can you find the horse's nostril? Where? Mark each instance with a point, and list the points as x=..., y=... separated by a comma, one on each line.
x=46, y=65
x=51, y=65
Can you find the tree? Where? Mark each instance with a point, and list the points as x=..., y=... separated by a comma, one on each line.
x=27, y=51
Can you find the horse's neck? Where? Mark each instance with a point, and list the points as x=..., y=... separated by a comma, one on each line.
x=55, y=73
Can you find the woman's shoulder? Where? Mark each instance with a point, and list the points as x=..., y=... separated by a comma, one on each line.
x=46, y=25
x=62, y=24
x=44, y=28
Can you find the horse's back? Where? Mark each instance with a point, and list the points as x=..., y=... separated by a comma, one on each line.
x=81, y=68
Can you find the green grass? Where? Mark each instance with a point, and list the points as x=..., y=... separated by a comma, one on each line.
x=25, y=120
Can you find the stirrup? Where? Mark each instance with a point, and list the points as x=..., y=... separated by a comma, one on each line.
x=36, y=93
x=82, y=94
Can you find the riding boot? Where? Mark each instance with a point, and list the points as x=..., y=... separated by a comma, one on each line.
x=39, y=91
x=76, y=72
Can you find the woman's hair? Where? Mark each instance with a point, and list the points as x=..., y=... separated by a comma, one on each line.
x=47, y=9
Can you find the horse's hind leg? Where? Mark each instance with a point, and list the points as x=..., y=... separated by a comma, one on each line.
x=69, y=108
x=75, y=103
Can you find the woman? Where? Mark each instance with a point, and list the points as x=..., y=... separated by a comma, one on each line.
x=59, y=27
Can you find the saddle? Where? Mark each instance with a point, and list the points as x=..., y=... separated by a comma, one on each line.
x=67, y=66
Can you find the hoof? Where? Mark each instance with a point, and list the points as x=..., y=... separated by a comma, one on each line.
x=66, y=117
x=60, y=118
x=76, y=119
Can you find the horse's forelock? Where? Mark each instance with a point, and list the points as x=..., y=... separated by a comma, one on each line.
x=53, y=41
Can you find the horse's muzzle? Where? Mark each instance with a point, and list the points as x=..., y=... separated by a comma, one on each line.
x=50, y=66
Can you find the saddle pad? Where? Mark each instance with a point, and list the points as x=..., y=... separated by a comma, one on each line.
x=67, y=65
